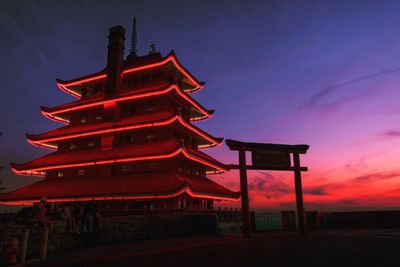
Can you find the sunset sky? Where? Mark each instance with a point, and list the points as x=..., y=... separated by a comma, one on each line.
x=323, y=73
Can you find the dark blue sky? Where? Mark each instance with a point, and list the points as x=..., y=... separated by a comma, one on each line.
x=325, y=73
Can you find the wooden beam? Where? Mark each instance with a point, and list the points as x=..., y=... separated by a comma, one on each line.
x=244, y=193
x=299, y=194
x=235, y=145
x=251, y=167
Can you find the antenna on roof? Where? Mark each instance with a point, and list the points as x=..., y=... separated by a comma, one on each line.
x=133, y=39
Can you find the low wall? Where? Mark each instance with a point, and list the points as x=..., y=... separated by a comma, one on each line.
x=360, y=219
x=113, y=229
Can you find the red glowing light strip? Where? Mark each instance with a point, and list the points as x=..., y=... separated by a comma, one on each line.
x=199, y=86
x=192, y=128
x=165, y=61
x=193, y=194
x=68, y=91
x=125, y=128
x=118, y=129
x=39, y=171
x=100, y=162
x=101, y=76
x=38, y=144
x=195, y=158
x=143, y=95
x=187, y=190
x=73, y=93
x=54, y=118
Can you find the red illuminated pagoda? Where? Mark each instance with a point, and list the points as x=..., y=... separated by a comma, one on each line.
x=128, y=137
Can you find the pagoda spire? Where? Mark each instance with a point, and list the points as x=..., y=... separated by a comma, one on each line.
x=133, y=52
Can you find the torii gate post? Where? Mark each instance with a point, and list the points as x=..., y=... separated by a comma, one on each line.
x=244, y=192
x=275, y=157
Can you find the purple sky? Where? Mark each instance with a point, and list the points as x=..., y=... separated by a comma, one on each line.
x=324, y=73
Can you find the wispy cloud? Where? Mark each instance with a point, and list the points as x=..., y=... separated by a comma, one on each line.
x=316, y=99
x=269, y=186
x=320, y=190
x=375, y=176
x=323, y=189
x=389, y=134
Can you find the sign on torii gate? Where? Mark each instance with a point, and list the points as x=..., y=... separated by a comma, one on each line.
x=274, y=157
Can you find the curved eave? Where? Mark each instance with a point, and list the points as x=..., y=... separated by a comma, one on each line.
x=46, y=112
x=198, y=85
x=33, y=140
x=52, y=142
x=56, y=113
x=67, y=85
x=234, y=196
x=218, y=167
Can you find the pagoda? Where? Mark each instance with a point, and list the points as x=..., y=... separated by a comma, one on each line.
x=128, y=137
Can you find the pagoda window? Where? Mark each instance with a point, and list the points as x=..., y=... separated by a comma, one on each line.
x=131, y=81
x=89, y=91
x=150, y=136
x=97, y=89
x=83, y=119
x=129, y=138
x=99, y=116
x=132, y=109
x=72, y=146
x=90, y=144
x=151, y=107
x=81, y=172
x=152, y=165
x=60, y=174
x=145, y=79
x=156, y=76
x=126, y=167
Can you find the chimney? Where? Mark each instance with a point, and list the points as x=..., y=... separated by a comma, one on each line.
x=115, y=60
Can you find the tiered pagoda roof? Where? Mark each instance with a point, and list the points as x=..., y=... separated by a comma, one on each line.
x=137, y=186
x=60, y=113
x=159, y=149
x=191, y=84
x=140, y=184
x=51, y=138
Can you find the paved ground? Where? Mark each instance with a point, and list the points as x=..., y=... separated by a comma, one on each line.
x=328, y=248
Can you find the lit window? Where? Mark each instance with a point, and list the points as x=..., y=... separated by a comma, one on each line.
x=60, y=174
x=89, y=91
x=90, y=144
x=81, y=172
x=126, y=168
x=151, y=165
x=83, y=119
x=72, y=146
x=150, y=107
x=150, y=136
x=129, y=138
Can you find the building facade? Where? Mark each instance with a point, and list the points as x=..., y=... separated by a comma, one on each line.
x=128, y=137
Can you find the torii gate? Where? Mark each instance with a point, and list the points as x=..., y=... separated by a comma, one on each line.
x=274, y=157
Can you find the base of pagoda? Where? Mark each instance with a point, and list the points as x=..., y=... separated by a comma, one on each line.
x=182, y=202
